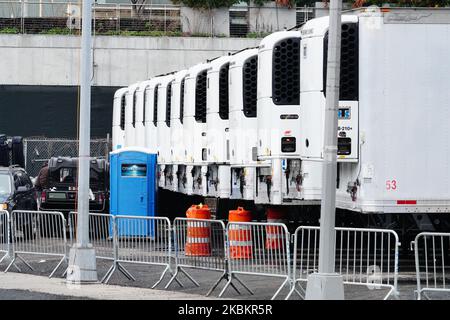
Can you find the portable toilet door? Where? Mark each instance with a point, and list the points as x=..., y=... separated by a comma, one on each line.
x=133, y=190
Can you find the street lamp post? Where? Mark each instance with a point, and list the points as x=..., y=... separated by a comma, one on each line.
x=326, y=284
x=82, y=261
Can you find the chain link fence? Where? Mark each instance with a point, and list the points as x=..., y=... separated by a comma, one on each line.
x=39, y=150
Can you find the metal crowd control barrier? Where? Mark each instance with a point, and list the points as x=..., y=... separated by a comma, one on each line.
x=40, y=233
x=363, y=257
x=4, y=234
x=100, y=233
x=256, y=248
x=140, y=240
x=432, y=268
x=199, y=244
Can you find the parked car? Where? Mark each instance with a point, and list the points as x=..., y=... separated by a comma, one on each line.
x=18, y=193
x=60, y=194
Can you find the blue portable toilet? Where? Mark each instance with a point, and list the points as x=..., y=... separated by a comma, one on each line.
x=133, y=188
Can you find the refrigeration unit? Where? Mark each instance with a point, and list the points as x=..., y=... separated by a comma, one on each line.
x=176, y=133
x=194, y=128
x=243, y=71
x=151, y=112
x=218, y=143
x=282, y=178
x=118, y=127
x=163, y=132
x=130, y=115
x=393, y=141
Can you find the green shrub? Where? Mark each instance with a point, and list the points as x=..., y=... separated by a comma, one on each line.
x=9, y=30
x=57, y=31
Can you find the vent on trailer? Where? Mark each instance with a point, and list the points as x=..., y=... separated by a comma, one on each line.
x=200, y=97
x=249, y=77
x=182, y=100
x=155, y=105
x=134, y=108
x=286, y=72
x=145, y=106
x=223, y=92
x=122, y=113
x=168, y=103
x=348, y=88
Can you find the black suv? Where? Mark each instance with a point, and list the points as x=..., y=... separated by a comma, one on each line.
x=61, y=194
x=16, y=190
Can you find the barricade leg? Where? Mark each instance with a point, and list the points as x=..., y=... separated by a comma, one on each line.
x=279, y=289
x=294, y=289
x=174, y=278
x=162, y=277
x=224, y=276
x=122, y=269
x=230, y=283
x=56, y=268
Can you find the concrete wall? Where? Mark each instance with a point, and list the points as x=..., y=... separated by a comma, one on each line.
x=118, y=61
x=270, y=18
x=216, y=21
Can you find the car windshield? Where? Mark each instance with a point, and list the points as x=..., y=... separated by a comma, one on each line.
x=68, y=176
x=5, y=184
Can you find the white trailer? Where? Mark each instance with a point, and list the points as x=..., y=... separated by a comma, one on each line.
x=194, y=128
x=282, y=178
x=118, y=126
x=393, y=137
x=176, y=132
x=163, y=135
x=130, y=115
x=150, y=112
x=217, y=123
x=139, y=115
x=243, y=123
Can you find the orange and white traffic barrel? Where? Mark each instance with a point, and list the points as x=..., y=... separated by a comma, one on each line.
x=240, y=236
x=198, y=240
x=275, y=234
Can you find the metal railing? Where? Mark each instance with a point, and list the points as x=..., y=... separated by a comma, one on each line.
x=363, y=257
x=141, y=240
x=37, y=233
x=4, y=234
x=260, y=249
x=432, y=259
x=100, y=233
x=199, y=244
x=47, y=17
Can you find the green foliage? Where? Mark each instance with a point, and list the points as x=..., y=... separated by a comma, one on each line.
x=207, y=4
x=9, y=30
x=57, y=31
x=142, y=33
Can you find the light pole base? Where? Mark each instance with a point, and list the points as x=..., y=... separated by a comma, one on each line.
x=82, y=265
x=325, y=286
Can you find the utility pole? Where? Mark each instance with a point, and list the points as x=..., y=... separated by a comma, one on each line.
x=82, y=260
x=326, y=284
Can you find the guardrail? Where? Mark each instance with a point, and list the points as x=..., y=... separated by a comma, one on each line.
x=432, y=259
x=41, y=233
x=260, y=249
x=4, y=234
x=100, y=234
x=199, y=244
x=363, y=257
x=141, y=240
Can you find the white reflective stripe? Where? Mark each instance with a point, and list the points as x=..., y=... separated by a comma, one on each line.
x=197, y=240
x=197, y=224
x=274, y=235
x=240, y=227
x=240, y=243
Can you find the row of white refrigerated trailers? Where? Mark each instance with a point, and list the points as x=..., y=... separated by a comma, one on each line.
x=249, y=125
